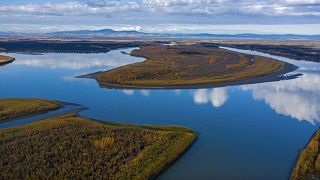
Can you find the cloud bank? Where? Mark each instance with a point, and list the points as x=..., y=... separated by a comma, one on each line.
x=148, y=13
x=182, y=7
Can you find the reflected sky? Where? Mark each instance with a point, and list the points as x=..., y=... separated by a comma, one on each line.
x=75, y=61
x=298, y=98
x=217, y=97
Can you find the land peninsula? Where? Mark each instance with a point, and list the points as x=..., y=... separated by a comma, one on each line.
x=74, y=147
x=5, y=60
x=308, y=163
x=17, y=107
x=197, y=65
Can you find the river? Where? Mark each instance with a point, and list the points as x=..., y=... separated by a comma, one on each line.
x=247, y=131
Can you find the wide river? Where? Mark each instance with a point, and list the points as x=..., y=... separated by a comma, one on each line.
x=247, y=131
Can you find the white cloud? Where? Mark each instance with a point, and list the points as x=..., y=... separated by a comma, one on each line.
x=269, y=7
x=138, y=13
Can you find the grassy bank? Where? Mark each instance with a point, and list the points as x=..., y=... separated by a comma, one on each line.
x=189, y=65
x=308, y=163
x=5, y=59
x=15, y=107
x=72, y=147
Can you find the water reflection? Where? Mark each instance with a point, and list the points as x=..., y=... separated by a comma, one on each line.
x=217, y=96
x=75, y=61
x=298, y=98
x=130, y=92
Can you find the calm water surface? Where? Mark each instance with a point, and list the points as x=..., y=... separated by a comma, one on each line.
x=247, y=132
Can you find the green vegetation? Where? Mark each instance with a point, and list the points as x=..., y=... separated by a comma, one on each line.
x=12, y=108
x=5, y=59
x=308, y=164
x=72, y=147
x=189, y=65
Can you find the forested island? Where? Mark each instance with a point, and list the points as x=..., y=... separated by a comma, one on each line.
x=195, y=65
x=74, y=147
x=308, y=163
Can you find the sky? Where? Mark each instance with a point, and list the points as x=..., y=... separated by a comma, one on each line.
x=162, y=16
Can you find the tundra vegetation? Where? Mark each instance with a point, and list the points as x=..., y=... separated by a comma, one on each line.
x=308, y=163
x=189, y=65
x=73, y=147
x=15, y=107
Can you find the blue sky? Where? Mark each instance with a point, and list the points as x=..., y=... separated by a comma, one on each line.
x=191, y=16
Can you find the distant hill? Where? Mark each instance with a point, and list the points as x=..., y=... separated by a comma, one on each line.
x=113, y=34
x=102, y=32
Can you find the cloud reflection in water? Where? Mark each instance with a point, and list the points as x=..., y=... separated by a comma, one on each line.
x=297, y=98
x=76, y=61
x=217, y=96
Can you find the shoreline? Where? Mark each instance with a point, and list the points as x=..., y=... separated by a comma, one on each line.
x=276, y=76
x=253, y=79
x=4, y=62
x=295, y=173
x=43, y=112
x=163, y=164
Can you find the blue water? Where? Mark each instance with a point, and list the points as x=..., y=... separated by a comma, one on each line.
x=247, y=132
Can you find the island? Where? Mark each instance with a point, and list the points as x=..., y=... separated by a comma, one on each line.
x=73, y=147
x=17, y=107
x=197, y=65
x=5, y=59
x=308, y=163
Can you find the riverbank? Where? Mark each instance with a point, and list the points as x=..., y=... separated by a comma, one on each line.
x=11, y=108
x=298, y=50
x=308, y=162
x=6, y=60
x=71, y=146
x=191, y=66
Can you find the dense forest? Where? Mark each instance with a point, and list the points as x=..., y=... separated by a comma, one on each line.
x=72, y=147
x=308, y=164
x=15, y=107
x=189, y=65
